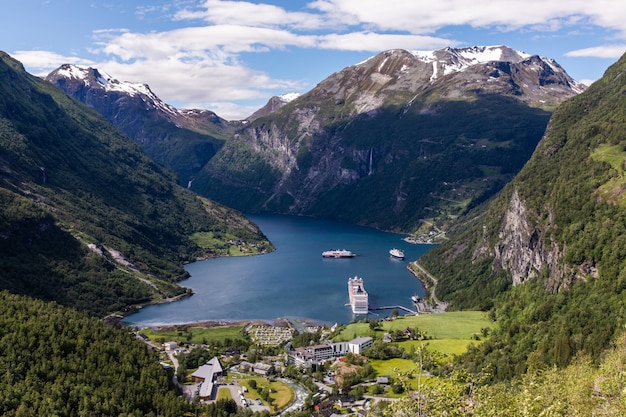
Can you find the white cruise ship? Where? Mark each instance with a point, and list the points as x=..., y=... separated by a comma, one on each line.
x=339, y=253
x=358, y=296
x=397, y=253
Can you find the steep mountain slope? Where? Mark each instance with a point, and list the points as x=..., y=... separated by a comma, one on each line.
x=86, y=218
x=560, y=226
x=182, y=140
x=432, y=132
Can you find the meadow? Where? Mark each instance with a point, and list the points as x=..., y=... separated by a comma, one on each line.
x=195, y=334
x=448, y=333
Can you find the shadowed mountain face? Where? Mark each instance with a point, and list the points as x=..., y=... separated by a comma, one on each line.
x=86, y=218
x=400, y=137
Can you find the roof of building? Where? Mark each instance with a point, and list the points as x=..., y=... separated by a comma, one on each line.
x=217, y=367
x=207, y=371
x=360, y=340
x=206, y=389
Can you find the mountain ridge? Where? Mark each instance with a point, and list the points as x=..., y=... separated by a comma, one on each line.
x=385, y=123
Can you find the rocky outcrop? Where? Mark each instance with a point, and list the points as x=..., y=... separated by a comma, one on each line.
x=522, y=248
x=525, y=252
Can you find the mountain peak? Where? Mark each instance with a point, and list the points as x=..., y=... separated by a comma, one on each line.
x=94, y=78
x=274, y=104
x=453, y=73
x=450, y=60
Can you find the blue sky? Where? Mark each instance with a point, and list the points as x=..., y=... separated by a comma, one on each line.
x=232, y=56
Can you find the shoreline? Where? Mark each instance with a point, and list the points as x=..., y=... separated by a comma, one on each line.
x=430, y=287
x=206, y=324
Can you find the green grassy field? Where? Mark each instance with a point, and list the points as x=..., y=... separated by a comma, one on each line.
x=391, y=367
x=451, y=332
x=449, y=325
x=446, y=346
x=224, y=394
x=198, y=334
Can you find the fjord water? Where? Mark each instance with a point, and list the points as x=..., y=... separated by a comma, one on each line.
x=294, y=281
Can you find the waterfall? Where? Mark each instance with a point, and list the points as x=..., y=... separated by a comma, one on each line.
x=371, y=158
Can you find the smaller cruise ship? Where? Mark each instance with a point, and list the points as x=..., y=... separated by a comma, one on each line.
x=396, y=253
x=338, y=253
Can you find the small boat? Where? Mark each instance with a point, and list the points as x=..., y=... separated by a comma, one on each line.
x=338, y=254
x=415, y=298
x=396, y=253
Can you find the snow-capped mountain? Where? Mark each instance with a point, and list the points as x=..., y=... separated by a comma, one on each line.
x=181, y=139
x=450, y=73
x=93, y=78
x=398, y=137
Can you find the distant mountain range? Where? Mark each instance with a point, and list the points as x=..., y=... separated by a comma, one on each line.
x=86, y=218
x=435, y=133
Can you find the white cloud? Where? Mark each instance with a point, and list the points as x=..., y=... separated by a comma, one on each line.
x=41, y=63
x=242, y=13
x=375, y=42
x=426, y=16
x=198, y=81
x=604, y=51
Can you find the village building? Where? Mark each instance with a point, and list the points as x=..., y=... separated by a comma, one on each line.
x=305, y=357
x=257, y=368
x=207, y=375
x=358, y=345
x=170, y=346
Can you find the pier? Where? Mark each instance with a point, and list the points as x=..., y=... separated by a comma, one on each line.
x=408, y=310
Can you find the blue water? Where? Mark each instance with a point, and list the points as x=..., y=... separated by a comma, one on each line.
x=294, y=281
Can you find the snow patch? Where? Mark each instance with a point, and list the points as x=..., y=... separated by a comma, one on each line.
x=289, y=97
x=451, y=60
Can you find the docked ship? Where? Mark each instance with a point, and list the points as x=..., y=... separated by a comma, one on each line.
x=358, y=296
x=338, y=254
x=396, y=253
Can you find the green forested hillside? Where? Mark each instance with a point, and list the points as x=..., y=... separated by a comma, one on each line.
x=85, y=217
x=574, y=219
x=59, y=362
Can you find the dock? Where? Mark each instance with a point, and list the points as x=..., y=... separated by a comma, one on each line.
x=408, y=310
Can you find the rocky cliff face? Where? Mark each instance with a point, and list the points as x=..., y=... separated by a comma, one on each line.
x=431, y=132
x=524, y=250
